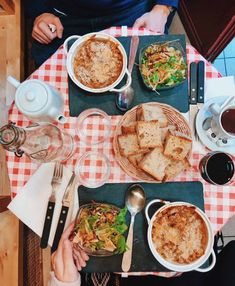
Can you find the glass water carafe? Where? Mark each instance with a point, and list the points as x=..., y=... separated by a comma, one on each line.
x=42, y=143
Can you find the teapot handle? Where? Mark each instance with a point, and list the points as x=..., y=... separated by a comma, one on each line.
x=13, y=81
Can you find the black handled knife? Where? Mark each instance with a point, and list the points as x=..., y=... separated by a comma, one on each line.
x=67, y=198
x=200, y=81
x=193, y=83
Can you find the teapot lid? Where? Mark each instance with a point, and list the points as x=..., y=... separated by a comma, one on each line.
x=31, y=96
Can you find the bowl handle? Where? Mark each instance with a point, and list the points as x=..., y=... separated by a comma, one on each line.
x=128, y=83
x=151, y=203
x=65, y=44
x=209, y=267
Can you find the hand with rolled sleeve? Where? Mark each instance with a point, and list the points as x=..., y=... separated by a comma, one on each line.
x=66, y=262
x=155, y=20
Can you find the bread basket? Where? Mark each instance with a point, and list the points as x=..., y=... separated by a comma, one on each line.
x=174, y=117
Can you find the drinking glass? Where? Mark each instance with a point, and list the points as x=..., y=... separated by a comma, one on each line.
x=217, y=168
x=93, y=126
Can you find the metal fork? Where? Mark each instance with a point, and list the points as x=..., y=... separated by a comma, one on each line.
x=55, y=182
x=56, y=179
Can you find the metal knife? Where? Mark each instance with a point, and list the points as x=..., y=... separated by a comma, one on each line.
x=55, y=183
x=193, y=108
x=66, y=201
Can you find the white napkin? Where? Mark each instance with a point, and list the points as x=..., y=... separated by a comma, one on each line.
x=30, y=204
x=214, y=87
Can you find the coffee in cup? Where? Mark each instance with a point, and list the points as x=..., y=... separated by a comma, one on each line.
x=223, y=121
x=228, y=120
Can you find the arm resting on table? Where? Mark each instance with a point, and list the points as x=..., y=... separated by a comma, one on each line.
x=55, y=282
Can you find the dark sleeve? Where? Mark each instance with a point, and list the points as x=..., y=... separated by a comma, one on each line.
x=35, y=8
x=172, y=3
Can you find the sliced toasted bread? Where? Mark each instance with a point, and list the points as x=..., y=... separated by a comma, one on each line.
x=149, y=134
x=175, y=168
x=128, y=144
x=136, y=159
x=155, y=163
x=165, y=130
x=129, y=129
x=147, y=112
x=177, y=146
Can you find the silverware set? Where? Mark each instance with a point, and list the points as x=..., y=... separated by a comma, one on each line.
x=66, y=201
x=196, y=94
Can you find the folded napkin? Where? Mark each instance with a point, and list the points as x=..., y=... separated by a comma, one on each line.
x=30, y=204
x=214, y=87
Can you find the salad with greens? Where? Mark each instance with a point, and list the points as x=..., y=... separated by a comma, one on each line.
x=162, y=66
x=100, y=227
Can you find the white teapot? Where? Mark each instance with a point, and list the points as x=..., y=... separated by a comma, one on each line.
x=38, y=101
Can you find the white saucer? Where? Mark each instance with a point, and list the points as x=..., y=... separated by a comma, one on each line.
x=202, y=115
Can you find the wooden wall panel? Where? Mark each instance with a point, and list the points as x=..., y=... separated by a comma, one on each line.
x=11, y=259
x=10, y=250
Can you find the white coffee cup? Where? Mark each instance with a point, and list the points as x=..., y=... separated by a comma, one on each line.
x=38, y=101
x=218, y=125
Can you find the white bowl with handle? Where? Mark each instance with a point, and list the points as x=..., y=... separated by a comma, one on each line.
x=71, y=53
x=195, y=265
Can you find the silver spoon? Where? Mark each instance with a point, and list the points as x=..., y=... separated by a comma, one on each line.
x=125, y=98
x=135, y=201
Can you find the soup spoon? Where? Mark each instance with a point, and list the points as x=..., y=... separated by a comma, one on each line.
x=125, y=98
x=135, y=201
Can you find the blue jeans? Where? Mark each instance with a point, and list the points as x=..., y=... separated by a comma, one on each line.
x=81, y=26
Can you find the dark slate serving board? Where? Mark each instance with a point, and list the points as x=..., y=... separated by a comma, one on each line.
x=80, y=100
x=142, y=259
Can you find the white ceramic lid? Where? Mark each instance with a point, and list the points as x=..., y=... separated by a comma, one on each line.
x=31, y=96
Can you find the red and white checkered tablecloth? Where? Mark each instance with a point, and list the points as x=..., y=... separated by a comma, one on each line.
x=219, y=201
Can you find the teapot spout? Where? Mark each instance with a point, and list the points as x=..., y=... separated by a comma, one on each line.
x=13, y=81
x=57, y=115
x=61, y=119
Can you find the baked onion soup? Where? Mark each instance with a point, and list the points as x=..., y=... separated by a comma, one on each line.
x=98, y=63
x=179, y=234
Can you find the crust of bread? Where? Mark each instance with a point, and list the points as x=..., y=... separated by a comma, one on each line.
x=129, y=129
x=149, y=134
x=149, y=112
x=136, y=159
x=175, y=168
x=155, y=163
x=177, y=146
x=128, y=144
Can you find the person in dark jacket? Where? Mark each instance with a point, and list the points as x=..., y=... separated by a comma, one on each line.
x=55, y=20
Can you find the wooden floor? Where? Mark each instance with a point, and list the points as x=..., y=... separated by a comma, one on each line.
x=10, y=51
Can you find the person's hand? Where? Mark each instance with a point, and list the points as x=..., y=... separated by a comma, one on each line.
x=65, y=261
x=155, y=20
x=41, y=29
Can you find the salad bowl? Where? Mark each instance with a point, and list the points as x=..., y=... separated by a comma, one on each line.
x=163, y=65
x=99, y=229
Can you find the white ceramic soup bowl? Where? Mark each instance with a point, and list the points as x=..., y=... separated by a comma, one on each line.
x=176, y=266
x=71, y=53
